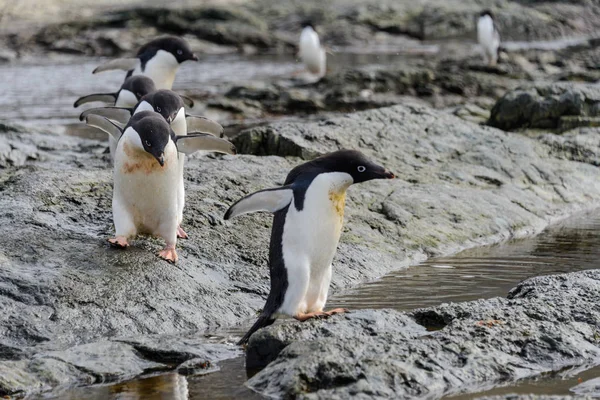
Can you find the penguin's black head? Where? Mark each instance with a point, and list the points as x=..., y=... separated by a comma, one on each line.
x=154, y=133
x=308, y=23
x=486, y=12
x=177, y=46
x=352, y=162
x=165, y=102
x=139, y=85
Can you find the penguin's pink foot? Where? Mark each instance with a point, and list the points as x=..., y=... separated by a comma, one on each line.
x=168, y=254
x=119, y=241
x=336, y=311
x=181, y=233
x=311, y=315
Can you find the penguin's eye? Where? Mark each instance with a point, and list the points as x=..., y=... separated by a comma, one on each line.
x=361, y=168
x=148, y=144
x=158, y=109
x=180, y=52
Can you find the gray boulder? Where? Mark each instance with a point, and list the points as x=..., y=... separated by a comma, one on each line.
x=546, y=324
x=559, y=106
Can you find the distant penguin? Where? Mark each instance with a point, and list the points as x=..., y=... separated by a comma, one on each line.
x=310, y=51
x=488, y=37
x=146, y=176
x=132, y=90
x=170, y=105
x=309, y=212
x=159, y=60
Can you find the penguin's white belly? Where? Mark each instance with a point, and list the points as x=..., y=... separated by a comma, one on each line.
x=125, y=99
x=179, y=126
x=487, y=37
x=144, y=192
x=161, y=68
x=310, y=241
x=312, y=54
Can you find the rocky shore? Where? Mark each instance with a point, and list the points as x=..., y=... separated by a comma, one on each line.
x=482, y=154
x=544, y=325
x=69, y=298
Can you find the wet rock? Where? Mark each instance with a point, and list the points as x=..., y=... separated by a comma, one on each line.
x=533, y=397
x=265, y=345
x=589, y=388
x=546, y=324
x=61, y=285
x=548, y=106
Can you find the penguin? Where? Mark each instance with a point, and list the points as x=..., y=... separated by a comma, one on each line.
x=488, y=37
x=130, y=93
x=307, y=223
x=146, y=173
x=159, y=60
x=170, y=105
x=311, y=53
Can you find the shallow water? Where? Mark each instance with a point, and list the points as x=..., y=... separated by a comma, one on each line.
x=43, y=93
x=571, y=245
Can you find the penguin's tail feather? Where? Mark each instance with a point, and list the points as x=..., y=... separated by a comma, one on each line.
x=262, y=321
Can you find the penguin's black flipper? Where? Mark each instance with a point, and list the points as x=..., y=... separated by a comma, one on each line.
x=187, y=101
x=263, y=320
x=105, y=97
x=119, y=114
x=104, y=124
x=271, y=200
x=203, y=124
x=199, y=141
x=124, y=64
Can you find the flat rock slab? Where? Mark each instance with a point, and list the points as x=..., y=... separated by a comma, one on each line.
x=62, y=285
x=546, y=324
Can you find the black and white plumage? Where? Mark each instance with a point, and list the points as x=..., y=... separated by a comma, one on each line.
x=307, y=224
x=146, y=176
x=170, y=105
x=488, y=37
x=159, y=60
x=128, y=95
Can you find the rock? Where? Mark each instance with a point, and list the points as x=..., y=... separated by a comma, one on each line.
x=546, y=324
x=546, y=106
x=533, y=397
x=589, y=388
x=265, y=345
x=62, y=286
x=270, y=25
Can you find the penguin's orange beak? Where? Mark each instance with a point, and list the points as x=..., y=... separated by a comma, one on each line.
x=388, y=175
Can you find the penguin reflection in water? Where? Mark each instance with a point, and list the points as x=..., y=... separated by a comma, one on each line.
x=146, y=174
x=309, y=212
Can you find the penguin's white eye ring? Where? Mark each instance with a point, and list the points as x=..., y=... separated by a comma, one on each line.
x=361, y=168
x=148, y=144
x=180, y=52
x=158, y=109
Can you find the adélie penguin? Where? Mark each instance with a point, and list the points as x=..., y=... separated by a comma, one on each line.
x=159, y=60
x=170, y=105
x=488, y=37
x=130, y=93
x=310, y=51
x=146, y=177
x=309, y=212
